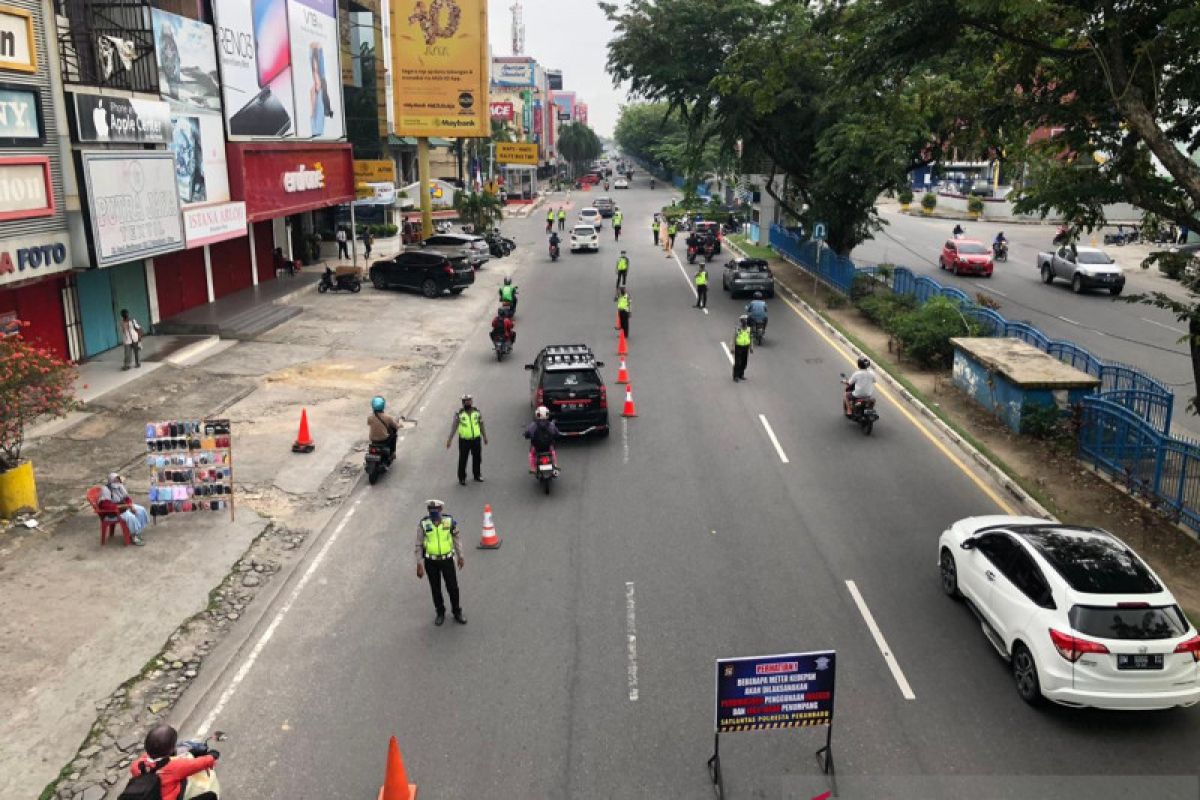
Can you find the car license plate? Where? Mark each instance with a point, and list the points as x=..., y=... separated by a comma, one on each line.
x=1125, y=661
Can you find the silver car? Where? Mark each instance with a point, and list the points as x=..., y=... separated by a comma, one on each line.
x=459, y=245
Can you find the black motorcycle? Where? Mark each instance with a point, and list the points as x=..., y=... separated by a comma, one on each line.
x=1000, y=251
x=709, y=248
x=758, y=329
x=691, y=253
x=862, y=411
x=339, y=283
x=554, y=252
x=379, y=459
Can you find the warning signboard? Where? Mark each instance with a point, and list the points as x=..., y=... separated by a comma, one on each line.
x=516, y=153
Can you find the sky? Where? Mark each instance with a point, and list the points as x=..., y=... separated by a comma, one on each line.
x=571, y=35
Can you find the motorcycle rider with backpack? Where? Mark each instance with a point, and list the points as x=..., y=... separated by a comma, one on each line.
x=160, y=773
x=541, y=434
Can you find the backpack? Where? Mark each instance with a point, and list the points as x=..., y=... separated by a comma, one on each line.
x=542, y=438
x=146, y=786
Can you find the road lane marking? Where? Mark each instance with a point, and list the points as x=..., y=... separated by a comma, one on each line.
x=881, y=643
x=625, y=437
x=631, y=640
x=992, y=291
x=1159, y=324
x=728, y=354
x=771, y=435
x=261, y=644
x=926, y=432
x=687, y=278
x=1068, y=321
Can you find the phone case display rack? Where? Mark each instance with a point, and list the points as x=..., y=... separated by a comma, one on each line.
x=191, y=466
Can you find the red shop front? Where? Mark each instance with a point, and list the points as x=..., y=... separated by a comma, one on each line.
x=280, y=179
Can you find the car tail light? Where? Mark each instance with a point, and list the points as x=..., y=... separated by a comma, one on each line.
x=604, y=397
x=449, y=270
x=1192, y=646
x=541, y=397
x=1072, y=647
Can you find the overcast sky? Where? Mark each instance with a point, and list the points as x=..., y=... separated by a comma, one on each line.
x=571, y=35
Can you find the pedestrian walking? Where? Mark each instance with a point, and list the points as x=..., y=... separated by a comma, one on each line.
x=562, y=219
x=549, y=220
x=472, y=435
x=671, y=231
x=701, y=280
x=131, y=338
x=437, y=550
x=654, y=228
x=622, y=272
x=343, y=248
x=624, y=310
x=618, y=218
x=741, y=348
x=368, y=240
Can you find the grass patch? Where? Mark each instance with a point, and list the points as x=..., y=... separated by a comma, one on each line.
x=751, y=250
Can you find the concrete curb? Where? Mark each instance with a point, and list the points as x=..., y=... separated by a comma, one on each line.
x=993, y=470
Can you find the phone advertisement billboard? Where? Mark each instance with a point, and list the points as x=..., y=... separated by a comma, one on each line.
x=255, y=55
x=313, y=32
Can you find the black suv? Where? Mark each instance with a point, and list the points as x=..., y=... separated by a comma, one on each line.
x=431, y=274
x=566, y=380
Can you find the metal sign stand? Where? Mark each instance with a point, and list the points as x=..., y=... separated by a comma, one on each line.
x=824, y=758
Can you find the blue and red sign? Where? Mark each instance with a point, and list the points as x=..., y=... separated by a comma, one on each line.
x=759, y=693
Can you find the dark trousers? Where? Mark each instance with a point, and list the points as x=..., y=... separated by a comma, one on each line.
x=741, y=357
x=343, y=250
x=439, y=570
x=616, y=233
x=671, y=239
x=623, y=316
x=562, y=223
x=622, y=277
x=702, y=296
x=473, y=448
x=655, y=238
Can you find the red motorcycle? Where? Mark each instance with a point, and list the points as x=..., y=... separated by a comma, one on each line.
x=691, y=253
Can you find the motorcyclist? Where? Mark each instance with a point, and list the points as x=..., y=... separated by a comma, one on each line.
x=382, y=427
x=1000, y=243
x=555, y=242
x=541, y=434
x=860, y=385
x=958, y=231
x=756, y=309
x=502, y=326
x=508, y=294
x=172, y=770
x=652, y=183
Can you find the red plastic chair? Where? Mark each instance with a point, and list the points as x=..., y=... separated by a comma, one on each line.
x=106, y=510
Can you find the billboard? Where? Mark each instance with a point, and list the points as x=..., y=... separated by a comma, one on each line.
x=187, y=63
x=101, y=118
x=440, y=67
x=313, y=32
x=133, y=203
x=256, y=67
x=506, y=72
x=516, y=153
x=501, y=110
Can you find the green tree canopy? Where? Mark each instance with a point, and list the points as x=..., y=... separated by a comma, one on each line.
x=579, y=145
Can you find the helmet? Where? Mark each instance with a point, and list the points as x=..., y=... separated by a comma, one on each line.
x=466, y=398
x=744, y=318
x=622, y=252
x=541, y=412
x=377, y=403
x=758, y=295
x=864, y=363
x=508, y=280
x=434, y=505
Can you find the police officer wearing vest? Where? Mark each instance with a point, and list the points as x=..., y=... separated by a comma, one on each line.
x=624, y=309
x=549, y=220
x=618, y=218
x=622, y=272
x=741, y=348
x=472, y=435
x=701, y=287
x=438, y=548
x=654, y=228
x=562, y=218
x=671, y=231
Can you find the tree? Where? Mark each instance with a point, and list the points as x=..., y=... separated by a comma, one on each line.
x=34, y=383
x=578, y=144
x=480, y=210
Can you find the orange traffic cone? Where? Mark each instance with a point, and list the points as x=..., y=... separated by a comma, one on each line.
x=622, y=373
x=629, y=410
x=622, y=345
x=304, y=442
x=489, y=540
x=617, y=324
x=395, y=779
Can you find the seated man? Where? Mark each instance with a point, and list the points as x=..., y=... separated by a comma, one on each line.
x=382, y=427
x=173, y=770
x=756, y=309
x=541, y=433
x=115, y=499
x=860, y=385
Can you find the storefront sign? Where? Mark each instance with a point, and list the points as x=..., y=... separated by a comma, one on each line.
x=759, y=693
x=440, y=67
x=512, y=73
x=20, y=115
x=133, y=204
x=214, y=223
x=304, y=178
x=276, y=179
x=18, y=50
x=26, y=257
x=122, y=119
x=25, y=189
x=376, y=194
x=516, y=153
x=375, y=171
x=502, y=111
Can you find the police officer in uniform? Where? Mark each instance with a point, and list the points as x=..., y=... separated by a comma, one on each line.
x=741, y=348
x=562, y=219
x=671, y=231
x=624, y=309
x=622, y=271
x=702, y=287
x=472, y=435
x=437, y=549
x=654, y=229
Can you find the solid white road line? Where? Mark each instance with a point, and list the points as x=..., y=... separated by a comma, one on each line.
x=687, y=277
x=1159, y=324
x=992, y=291
x=729, y=355
x=881, y=643
x=625, y=437
x=1068, y=321
x=771, y=435
x=261, y=644
x=631, y=640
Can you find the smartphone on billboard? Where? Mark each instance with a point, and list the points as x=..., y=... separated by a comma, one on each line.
x=271, y=46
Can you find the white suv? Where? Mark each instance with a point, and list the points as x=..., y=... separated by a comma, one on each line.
x=591, y=216
x=584, y=237
x=1081, y=619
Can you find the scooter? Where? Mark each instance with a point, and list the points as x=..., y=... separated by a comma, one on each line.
x=1000, y=250
x=200, y=782
x=502, y=346
x=862, y=411
x=652, y=183
x=544, y=469
x=379, y=459
x=691, y=254
x=709, y=249
x=339, y=283
x=554, y=252
x=758, y=330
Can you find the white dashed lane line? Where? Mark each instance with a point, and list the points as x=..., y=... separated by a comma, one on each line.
x=888, y=657
x=728, y=354
x=771, y=435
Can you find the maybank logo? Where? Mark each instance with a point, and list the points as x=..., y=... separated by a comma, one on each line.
x=304, y=179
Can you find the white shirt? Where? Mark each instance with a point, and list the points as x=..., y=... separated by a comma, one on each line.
x=340, y=236
x=863, y=383
x=131, y=331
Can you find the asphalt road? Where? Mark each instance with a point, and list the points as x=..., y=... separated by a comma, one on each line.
x=1135, y=334
x=685, y=530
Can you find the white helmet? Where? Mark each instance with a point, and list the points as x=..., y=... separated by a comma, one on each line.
x=541, y=412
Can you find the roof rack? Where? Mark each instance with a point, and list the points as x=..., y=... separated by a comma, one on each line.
x=568, y=355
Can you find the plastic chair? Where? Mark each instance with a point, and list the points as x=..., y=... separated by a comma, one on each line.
x=109, y=519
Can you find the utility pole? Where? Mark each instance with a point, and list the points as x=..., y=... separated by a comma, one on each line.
x=426, y=200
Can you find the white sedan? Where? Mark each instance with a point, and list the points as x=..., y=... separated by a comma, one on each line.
x=620, y=183
x=1079, y=616
x=584, y=237
x=591, y=216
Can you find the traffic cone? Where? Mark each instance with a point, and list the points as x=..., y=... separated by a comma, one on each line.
x=489, y=540
x=617, y=324
x=304, y=442
x=629, y=410
x=395, y=779
x=622, y=345
x=622, y=373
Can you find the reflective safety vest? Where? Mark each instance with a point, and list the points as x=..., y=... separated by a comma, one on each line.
x=622, y=264
x=702, y=278
x=438, y=541
x=562, y=214
x=671, y=229
x=655, y=226
x=550, y=215
x=617, y=219
x=507, y=293
x=743, y=337
x=623, y=303
x=468, y=424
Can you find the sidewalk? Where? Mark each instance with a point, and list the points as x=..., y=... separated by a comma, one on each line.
x=84, y=621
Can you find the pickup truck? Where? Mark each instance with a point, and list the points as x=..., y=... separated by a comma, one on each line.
x=1083, y=268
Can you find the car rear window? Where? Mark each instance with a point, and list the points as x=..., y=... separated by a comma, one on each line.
x=971, y=249
x=1129, y=622
x=584, y=230
x=753, y=268
x=573, y=380
x=1093, y=258
x=1092, y=561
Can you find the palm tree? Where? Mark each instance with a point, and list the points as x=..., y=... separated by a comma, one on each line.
x=578, y=144
x=480, y=210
